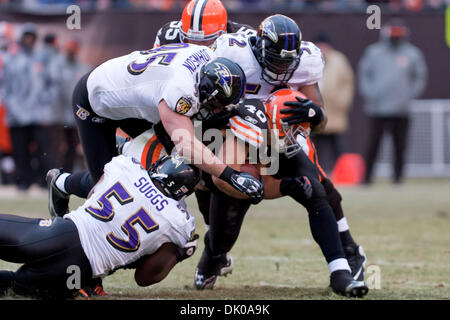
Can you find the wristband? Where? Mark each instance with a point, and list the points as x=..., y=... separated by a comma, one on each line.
x=283, y=186
x=226, y=174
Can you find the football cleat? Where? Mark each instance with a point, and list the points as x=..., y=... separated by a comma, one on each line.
x=357, y=261
x=58, y=201
x=341, y=281
x=209, y=268
x=93, y=289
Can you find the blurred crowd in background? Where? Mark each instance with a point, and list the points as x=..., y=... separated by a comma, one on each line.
x=321, y=5
x=38, y=73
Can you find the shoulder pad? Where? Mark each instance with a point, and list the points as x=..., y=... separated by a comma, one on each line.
x=311, y=65
x=234, y=27
x=250, y=123
x=227, y=42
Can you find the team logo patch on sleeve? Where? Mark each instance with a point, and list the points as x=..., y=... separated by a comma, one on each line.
x=183, y=105
x=82, y=113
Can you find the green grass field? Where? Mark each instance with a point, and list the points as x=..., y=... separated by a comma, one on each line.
x=404, y=230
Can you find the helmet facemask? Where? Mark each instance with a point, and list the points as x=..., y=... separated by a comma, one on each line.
x=277, y=68
x=290, y=143
x=285, y=141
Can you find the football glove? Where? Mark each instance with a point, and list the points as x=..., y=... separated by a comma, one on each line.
x=244, y=182
x=188, y=250
x=299, y=188
x=302, y=110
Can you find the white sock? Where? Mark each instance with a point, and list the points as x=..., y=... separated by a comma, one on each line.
x=339, y=264
x=342, y=225
x=60, y=181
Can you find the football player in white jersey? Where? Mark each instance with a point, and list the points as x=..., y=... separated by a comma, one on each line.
x=277, y=58
x=133, y=219
x=165, y=85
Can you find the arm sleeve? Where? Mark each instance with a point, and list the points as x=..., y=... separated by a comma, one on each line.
x=180, y=99
x=315, y=65
x=311, y=66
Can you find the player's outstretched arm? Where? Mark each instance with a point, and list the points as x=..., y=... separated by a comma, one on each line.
x=157, y=266
x=154, y=268
x=181, y=131
x=237, y=153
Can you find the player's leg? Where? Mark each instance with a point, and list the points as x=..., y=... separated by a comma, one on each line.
x=323, y=226
x=47, y=247
x=98, y=140
x=226, y=215
x=203, y=200
x=354, y=253
x=97, y=136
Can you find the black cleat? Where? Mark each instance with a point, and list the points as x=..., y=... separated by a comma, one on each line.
x=209, y=268
x=58, y=201
x=342, y=283
x=357, y=261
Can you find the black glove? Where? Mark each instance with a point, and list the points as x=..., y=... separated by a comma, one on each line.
x=302, y=110
x=299, y=188
x=245, y=183
x=188, y=250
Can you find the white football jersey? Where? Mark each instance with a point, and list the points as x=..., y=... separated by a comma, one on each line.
x=132, y=86
x=127, y=217
x=237, y=48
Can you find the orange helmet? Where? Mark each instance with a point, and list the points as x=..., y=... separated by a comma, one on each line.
x=203, y=20
x=286, y=135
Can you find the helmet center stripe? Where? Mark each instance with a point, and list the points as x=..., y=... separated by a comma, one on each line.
x=199, y=7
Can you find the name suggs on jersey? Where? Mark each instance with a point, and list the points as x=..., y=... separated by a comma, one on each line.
x=150, y=192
